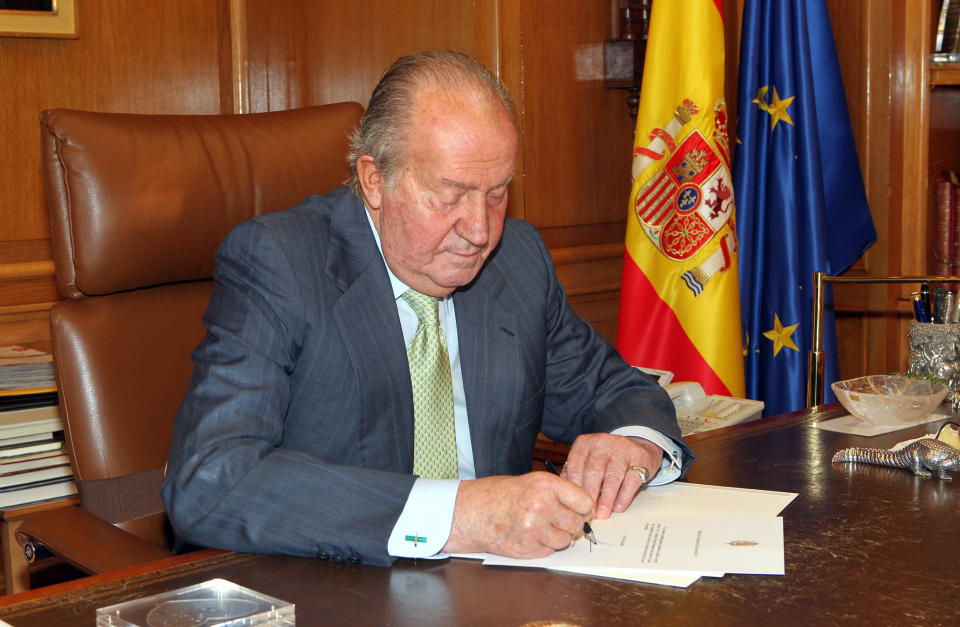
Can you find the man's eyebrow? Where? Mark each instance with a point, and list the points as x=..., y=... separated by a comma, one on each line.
x=466, y=188
x=457, y=184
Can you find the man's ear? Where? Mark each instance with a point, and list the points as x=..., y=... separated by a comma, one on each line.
x=371, y=181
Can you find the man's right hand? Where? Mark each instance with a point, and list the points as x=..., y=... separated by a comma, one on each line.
x=526, y=516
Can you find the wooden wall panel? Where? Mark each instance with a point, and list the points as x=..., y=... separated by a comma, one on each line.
x=149, y=56
x=871, y=124
x=903, y=33
x=330, y=51
x=850, y=31
x=577, y=138
x=27, y=290
x=875, y=63
x=326, y=51
x=905, y=133
x=578, y=135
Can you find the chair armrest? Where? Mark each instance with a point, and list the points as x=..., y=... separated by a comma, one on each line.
x=85, y=541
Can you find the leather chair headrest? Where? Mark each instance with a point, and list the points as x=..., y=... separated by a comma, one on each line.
x=141, y=200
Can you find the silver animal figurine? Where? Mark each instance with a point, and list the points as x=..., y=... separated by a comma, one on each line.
x=922, y=457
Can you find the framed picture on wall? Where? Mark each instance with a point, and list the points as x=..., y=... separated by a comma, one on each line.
x=38, y=18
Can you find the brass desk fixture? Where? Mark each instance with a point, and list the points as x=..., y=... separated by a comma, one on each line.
x=815, y=374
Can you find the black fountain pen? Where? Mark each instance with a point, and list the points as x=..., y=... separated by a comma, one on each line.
x=587, y=529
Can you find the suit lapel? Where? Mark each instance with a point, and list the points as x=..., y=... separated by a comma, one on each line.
x=490, y=363
x=366, y=317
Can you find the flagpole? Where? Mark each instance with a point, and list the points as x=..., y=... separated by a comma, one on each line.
x=815, y=359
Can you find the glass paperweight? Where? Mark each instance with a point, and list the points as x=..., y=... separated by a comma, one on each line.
x=213, y=603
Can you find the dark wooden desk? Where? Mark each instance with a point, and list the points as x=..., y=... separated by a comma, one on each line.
x=863, y=545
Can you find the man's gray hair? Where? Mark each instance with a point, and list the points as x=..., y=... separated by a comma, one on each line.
x=386, y=122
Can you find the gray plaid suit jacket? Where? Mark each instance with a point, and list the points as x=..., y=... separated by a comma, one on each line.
x=296, y=432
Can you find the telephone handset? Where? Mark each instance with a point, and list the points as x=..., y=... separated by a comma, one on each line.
x=698, y=412
x=685, y=393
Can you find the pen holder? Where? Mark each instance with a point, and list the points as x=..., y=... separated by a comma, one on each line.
x=935, y=351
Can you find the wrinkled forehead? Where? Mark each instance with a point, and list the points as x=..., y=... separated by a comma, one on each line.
x=468, y=98
x=462, y=126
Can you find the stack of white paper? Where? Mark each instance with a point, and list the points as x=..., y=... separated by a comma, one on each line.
x=676, y=533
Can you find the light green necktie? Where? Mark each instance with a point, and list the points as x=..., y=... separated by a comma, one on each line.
x=434, y=431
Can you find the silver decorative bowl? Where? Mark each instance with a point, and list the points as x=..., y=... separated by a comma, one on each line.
x=889, y=399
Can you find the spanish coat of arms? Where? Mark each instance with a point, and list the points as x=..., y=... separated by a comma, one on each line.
x=690, y=198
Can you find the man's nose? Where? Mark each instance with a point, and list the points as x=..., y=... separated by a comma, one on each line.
x=473, y=226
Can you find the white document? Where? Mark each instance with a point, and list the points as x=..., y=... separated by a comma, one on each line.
x=705, y=545
x=695, y=499
x=684, y=510
x=678, y=579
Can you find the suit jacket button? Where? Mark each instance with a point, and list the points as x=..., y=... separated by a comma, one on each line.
x=337, y=559
x=354, y=559
x=323, y=555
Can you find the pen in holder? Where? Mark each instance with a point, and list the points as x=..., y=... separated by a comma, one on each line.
x=939, y=304
x=950, y=308
x=919, y=311
x=935, y=352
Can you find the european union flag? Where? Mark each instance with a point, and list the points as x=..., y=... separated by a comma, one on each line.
x=800, y=198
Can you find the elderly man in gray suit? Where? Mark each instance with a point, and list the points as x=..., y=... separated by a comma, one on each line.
x=379, y=360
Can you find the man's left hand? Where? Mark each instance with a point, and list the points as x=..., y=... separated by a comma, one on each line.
x=600, y=463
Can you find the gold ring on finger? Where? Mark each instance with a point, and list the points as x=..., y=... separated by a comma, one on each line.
x=640, y=470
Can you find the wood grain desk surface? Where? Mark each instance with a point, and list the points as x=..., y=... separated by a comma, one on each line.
x=864, y=544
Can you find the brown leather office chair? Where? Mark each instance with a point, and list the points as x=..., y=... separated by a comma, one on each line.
x=139, y=205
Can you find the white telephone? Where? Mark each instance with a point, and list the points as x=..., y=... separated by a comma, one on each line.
x=698, y=412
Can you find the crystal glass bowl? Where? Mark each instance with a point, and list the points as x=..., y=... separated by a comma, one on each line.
x=889, y=399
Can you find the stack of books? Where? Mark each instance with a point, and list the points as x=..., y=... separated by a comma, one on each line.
x=946, y=248
x=33, y=463
x=26, y=378
x=34, y=466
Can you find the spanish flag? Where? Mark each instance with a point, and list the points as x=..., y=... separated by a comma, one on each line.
x=680, y=305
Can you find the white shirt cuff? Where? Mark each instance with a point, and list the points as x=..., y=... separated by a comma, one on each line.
x=423, y=527
x=672, y=458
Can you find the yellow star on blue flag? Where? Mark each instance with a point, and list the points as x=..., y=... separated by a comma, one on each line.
x=781, y=336
x=777, y=108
